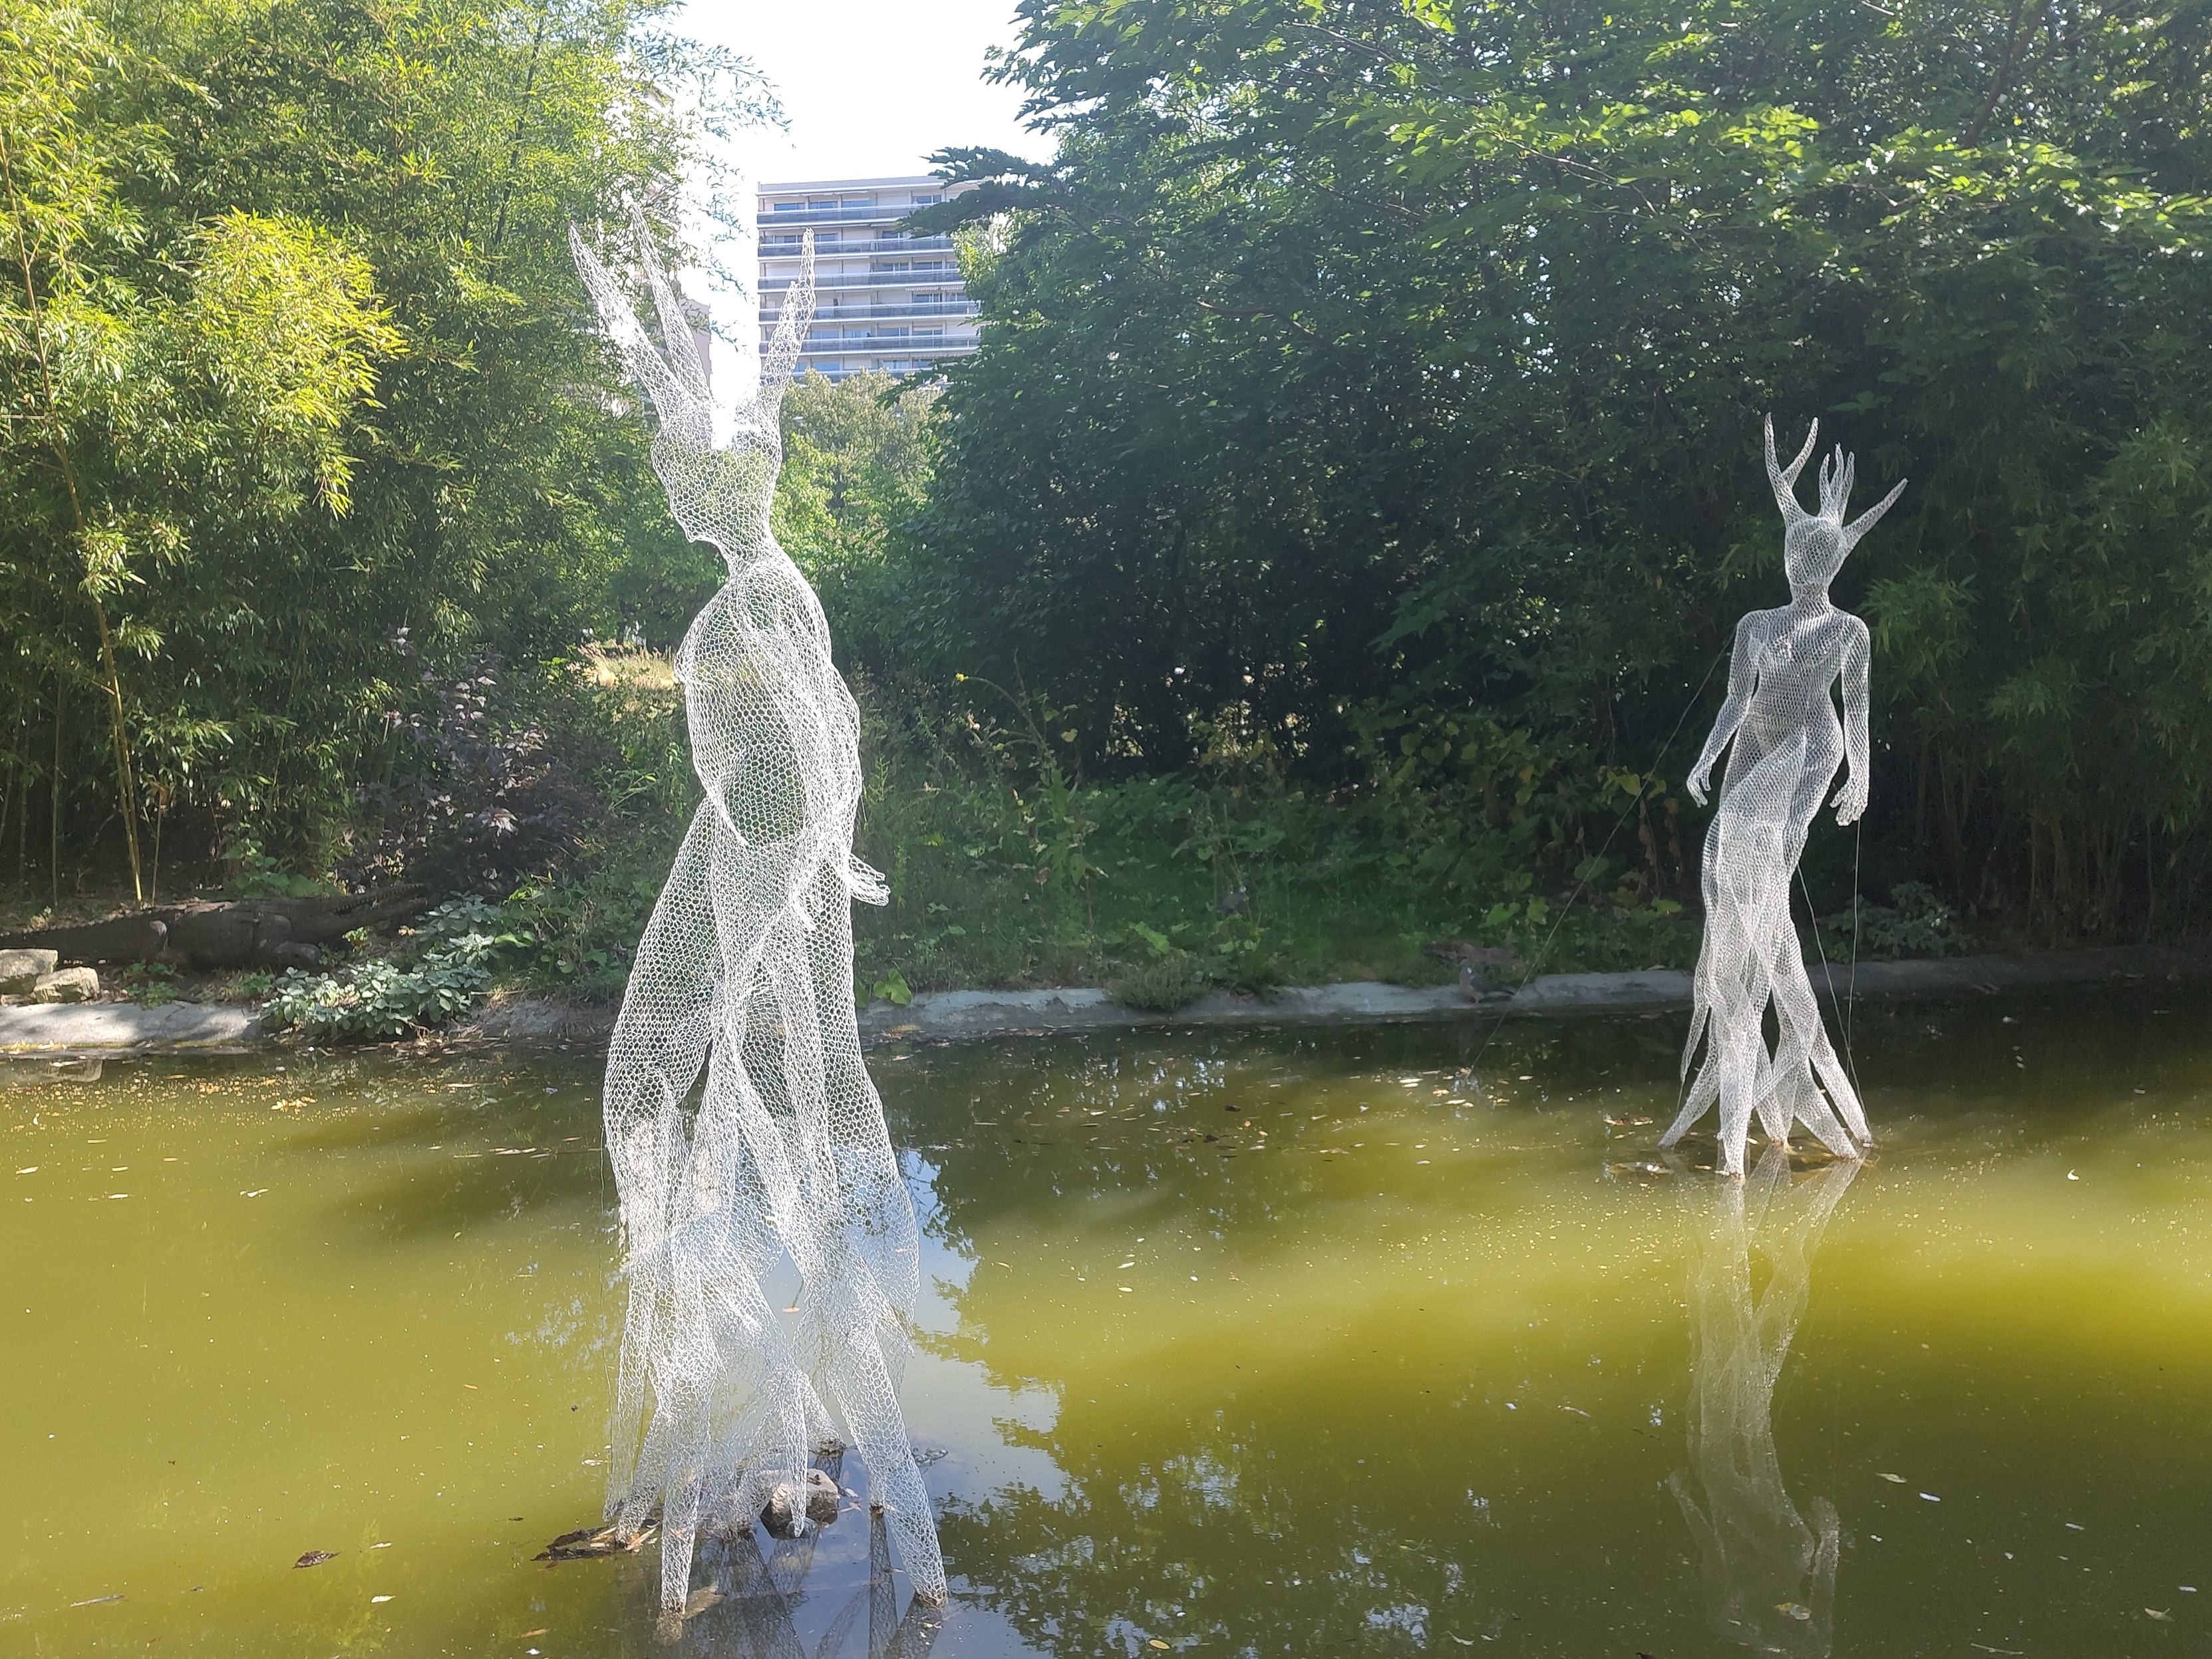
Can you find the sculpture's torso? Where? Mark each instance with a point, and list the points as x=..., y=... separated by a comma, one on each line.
x=1798, y=654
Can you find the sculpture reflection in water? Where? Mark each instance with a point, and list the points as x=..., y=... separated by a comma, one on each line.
x=1769, y=1573
x=751, y=1605
x=1781, y=714
x=745, y=972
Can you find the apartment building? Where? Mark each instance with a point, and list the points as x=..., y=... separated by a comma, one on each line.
x=884, y=300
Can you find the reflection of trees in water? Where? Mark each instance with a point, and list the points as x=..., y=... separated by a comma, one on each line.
x=745, y=1605
x=1258, y=1540
x=1770, y=1576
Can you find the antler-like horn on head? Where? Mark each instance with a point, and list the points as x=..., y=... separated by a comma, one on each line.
x=1784, y=478
x=682, y=407
x=1866, y=520
x=676, y=337
x=1837, y=472
x=793, y=320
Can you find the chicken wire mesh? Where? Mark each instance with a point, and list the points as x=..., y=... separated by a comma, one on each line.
x=1780, y=716
x=745, y=975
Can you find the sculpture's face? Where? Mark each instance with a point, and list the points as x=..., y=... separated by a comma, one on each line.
x=1812, y=551
x=719, y=495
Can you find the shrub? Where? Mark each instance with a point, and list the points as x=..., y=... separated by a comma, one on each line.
x=1915, y=923
x=1162, y=985
x=385, y=998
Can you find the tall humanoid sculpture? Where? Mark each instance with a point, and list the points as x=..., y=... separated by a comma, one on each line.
x=1770, y=1572
x=1781, y=714
x=746, y=971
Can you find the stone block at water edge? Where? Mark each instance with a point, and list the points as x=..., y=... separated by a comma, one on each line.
x=20, y=970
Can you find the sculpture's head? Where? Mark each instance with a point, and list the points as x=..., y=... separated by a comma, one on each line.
x=719, y=494
x=1815, y=544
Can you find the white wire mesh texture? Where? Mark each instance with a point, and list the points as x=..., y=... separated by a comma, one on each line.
x=1780, y=712
x=1770, y=1572
x=745, y=972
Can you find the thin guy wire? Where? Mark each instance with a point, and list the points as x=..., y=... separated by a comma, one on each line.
x=1826, y=977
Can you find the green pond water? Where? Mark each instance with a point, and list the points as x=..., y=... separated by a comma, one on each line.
x=1295, y=1342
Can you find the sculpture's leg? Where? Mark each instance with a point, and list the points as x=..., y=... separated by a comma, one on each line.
x=866, y=1395
x=1740, y=1053
x=1715, y=991
x=1708, y=1020
x=1747, y=885
x=1803, y=1034
x=658, y=1044
x=682, y=1425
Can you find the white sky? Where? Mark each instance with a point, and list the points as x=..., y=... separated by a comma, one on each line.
x=871, y=86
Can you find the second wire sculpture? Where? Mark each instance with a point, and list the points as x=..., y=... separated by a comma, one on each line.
x=1781, y=714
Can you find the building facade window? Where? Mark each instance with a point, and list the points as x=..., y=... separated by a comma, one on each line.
x=864, y=272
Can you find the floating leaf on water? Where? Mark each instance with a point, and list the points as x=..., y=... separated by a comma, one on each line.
x=1796, y=1610
x=316, y=1558
x=1894, y=1479
x=2158, y=1614
x=97, y=1601
x=1155, y=1642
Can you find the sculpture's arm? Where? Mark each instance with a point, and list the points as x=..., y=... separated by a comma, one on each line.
x=1850, y=800
x=1743, y=679
x=676, y=385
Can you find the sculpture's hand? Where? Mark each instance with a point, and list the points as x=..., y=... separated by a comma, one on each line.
x=1699, y=781
x=1850, y=800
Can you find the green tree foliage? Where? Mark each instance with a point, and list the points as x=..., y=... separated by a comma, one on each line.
x=301, y=411
x=1388, y=376
x=858, y=459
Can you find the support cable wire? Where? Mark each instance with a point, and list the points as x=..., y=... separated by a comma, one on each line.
x=1826, y=977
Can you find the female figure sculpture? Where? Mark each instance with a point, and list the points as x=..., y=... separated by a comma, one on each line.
x=746, y=970
x=1781, y=714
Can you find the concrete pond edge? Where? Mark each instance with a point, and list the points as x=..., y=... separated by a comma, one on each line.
x=117, y=1028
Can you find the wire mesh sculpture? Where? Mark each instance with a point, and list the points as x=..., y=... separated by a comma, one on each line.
x=1781, y=714
x=1769, y=1573
x=745, y=972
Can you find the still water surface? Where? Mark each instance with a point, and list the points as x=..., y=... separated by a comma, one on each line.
x=1246, y=1344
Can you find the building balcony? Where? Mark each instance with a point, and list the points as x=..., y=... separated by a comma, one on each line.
x=842, y=248
x=873, y=279
x=810, y=218
x=880, y=345
x=882, y=308
x=835, y=372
